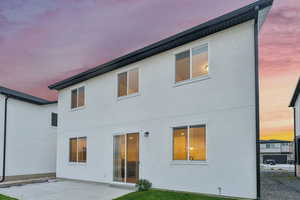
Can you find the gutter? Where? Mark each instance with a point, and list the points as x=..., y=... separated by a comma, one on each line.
x=295, y=144
x=257, y=118
x=4, y=141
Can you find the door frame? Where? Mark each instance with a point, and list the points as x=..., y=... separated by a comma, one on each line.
x=125, y=167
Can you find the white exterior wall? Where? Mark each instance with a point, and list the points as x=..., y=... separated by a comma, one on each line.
x=31, y=141
x=225, y=102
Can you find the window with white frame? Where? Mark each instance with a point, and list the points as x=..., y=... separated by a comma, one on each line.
x=128, y=82
x=191, y=63
x=77, y=97
x=78, y=149
x=189, y=143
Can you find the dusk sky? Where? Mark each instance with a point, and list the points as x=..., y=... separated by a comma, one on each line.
x=42, y=42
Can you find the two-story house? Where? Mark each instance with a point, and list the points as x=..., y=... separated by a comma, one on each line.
x=281, y=151
x=169, y=112
x=28, y=136
x=295, y=103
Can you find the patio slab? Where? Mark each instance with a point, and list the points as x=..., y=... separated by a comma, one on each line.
x=64, y=190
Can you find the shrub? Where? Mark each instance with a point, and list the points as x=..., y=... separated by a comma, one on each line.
x=143, y=185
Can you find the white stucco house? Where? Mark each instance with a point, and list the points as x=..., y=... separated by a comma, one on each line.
x=169, y=112
x=295, y=104
x=28, y=136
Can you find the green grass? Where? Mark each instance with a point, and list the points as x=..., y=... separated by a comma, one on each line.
x=2, y=197
x=167, y=195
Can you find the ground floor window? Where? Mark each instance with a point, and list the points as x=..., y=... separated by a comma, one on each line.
x=189, y=143
x=78, y=149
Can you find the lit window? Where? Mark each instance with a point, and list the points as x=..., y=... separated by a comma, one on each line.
x=199, y=61
x=180, y=143
x=183, y=66
x=73, y=150
x=189, y=143
x=128, y=82
x=77, y=97
x=189, y=68
x=78, y=149
x=54, y=119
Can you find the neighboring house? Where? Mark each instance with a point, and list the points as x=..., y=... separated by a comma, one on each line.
x=281, y=151
x=29, y=124
x=182, y=113
x=295, y=103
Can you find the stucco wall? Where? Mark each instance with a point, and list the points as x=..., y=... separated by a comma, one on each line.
x=31, y=141
x=225, y=102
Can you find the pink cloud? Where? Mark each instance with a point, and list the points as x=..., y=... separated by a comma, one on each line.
x=42, y=42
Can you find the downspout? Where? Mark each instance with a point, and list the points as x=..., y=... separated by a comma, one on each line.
x=257, y=118
x=295, y=144
x=4, y=141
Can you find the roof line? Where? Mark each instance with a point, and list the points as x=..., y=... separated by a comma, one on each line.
x=24, y=97
x=215, y=25
x=274, y=141
x=295, y=94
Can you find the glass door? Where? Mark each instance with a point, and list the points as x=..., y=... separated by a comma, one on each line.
x=126, y=158
x=119, y=158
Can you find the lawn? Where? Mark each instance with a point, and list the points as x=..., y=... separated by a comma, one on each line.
x=2, y=197
x=166, y=195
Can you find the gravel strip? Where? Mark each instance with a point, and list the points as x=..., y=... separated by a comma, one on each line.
x=279, y=186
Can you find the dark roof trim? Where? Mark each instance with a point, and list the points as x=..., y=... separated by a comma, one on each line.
x=24, y=97
x=218, y=24
x=274, y=141
x=296, y=94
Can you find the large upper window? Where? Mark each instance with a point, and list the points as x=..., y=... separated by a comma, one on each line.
x=78, y=150
x=128, y=82
x=191, y=63
x=77, y=97
x=189, y=143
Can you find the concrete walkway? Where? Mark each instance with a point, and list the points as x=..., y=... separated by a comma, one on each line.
x=64, y=190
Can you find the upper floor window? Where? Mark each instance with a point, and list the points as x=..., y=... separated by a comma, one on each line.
x=270, y=145
x=189, y=143
x=54, y=119
x=191, y=63
x=128, y=82
x=77, y=97
x=78, y=149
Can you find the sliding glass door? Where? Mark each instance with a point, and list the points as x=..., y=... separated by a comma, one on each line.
x=119, y=158
x=126, y=158
x=132, y=161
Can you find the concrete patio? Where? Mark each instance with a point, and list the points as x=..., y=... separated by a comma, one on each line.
x=64, y=190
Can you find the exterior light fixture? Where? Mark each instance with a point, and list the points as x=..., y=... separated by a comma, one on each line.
x=146, y=134
x=206, y=67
